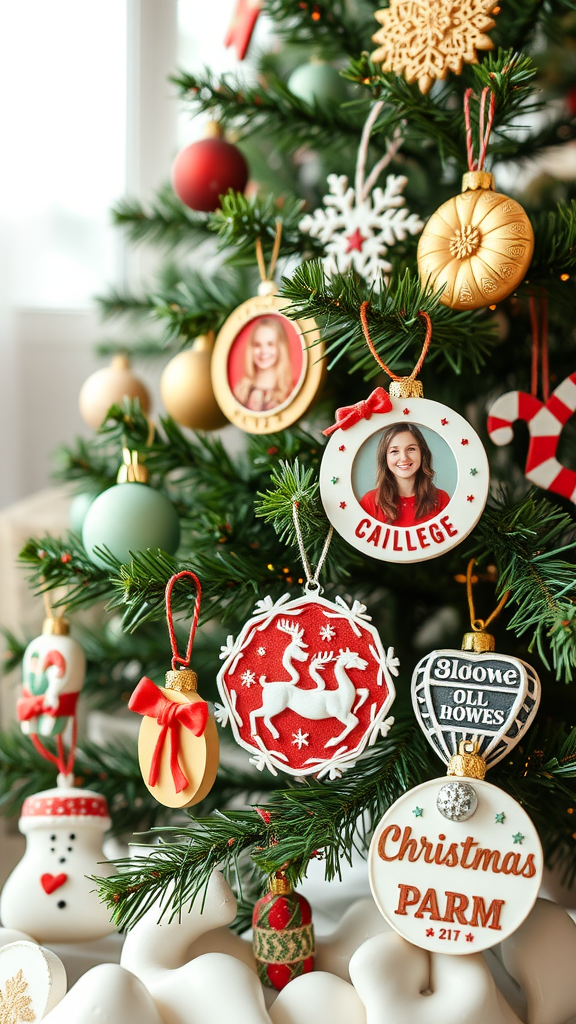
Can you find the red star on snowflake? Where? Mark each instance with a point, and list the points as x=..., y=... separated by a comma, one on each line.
x=470, y=497
x=342, y=504
x=429, y=933
x=444, y=422
x=469, y=937
x=464, y=440
x=355, y=241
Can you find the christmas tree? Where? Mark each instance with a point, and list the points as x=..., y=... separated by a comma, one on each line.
x=396, y=130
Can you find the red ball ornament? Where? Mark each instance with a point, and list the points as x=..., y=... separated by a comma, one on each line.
x=205, y=170
x=283, y=934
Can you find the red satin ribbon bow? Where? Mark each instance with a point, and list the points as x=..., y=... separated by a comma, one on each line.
x=148, y=700
x=31, y=705
x=348, y=415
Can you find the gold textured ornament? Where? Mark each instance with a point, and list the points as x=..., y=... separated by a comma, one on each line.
x=425, y=39
x=109, y=386
x=186, y=387
x=467, y=763
x=477, y=246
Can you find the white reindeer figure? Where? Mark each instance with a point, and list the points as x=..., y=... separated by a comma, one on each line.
x=295, y=649
x=319, y=703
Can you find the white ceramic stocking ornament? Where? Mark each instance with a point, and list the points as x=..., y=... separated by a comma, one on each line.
x=403, y=479
x=48, y=895
x=455, y=866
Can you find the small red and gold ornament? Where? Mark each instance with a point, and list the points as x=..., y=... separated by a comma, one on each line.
x=283, y=934
x=178, y=742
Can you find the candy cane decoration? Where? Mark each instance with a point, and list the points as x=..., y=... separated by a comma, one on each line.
x=545, y=423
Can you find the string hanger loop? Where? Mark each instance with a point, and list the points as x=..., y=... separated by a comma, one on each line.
x=177, y=659
x=267, y=275
x=480, y=625
x=402, y=387
x=312, y=578
x=485, y=125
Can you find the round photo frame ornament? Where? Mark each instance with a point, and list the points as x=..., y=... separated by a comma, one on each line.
x=307, y=377
x=405, y=406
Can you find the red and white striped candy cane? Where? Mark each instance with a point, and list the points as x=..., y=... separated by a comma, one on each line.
x=545, y=423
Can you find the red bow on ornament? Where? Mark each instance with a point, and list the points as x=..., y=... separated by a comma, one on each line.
x=148, y=700
x=30, y=706
x=348, y=415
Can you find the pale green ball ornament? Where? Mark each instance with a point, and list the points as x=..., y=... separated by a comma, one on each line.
x=78, y=509
x=130, y=517
x=318, y=83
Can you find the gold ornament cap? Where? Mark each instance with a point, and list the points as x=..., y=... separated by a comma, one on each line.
x=204, y=342
x=279, y=885
x=184, y=680
x=55, y=626
x=473, y=180
x=406, y=387
x=479, y=642
x=467, y=764
x=131, y=472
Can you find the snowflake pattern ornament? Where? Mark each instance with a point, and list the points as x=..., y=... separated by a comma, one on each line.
x=425, y=39
x=357, y=231
x=325, y=691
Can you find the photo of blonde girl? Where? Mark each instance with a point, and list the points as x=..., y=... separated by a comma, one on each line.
x=268, y=377
x=405, y=492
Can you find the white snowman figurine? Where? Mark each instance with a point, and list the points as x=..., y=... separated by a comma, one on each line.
x=48, y=895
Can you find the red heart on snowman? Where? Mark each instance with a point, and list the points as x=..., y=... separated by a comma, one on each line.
x=52, y=882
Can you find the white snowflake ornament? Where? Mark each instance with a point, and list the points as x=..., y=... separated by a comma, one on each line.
x=358, y=230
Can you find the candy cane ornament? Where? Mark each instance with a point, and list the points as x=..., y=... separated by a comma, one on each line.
x=545, y=424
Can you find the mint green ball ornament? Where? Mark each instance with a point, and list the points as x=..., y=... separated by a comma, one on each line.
x=78, y=509
x=130, y=517
x=318, y=83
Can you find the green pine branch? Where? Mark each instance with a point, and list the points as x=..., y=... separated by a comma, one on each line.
x=166, y=221
x=329, y=820
x=526, y=541
x=396, y=328
x=271, y=109
x=329, y=27
x=242, y=220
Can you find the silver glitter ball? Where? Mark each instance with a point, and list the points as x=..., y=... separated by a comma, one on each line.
x=457, y=801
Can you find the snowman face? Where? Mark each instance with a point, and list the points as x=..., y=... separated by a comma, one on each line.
x=48, y=894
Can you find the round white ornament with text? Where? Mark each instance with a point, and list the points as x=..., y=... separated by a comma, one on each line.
x=456, y=464
x=455, y=886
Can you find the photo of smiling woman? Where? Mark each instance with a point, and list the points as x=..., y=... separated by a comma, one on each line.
x=405, y=493
x=268, y=378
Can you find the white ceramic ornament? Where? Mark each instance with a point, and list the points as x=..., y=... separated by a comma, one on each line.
x=48, y=894
x=53, y=671
x=214, y=988
x=487, y=698
x=451, y=886
x=353, y=459
x=401, y=984
x=107, y=994
x=318, y=998
x=306, y=685
x=32, y=981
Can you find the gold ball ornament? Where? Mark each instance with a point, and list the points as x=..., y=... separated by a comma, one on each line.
x=477, y=246
x=186, y=387
x=109, y=386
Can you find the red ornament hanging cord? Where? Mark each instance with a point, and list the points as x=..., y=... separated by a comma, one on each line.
x=478, y=165
x=149, y=701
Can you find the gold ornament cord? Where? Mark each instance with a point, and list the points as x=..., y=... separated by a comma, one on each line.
x=393, y=376
x=480, y=625
x=268, y=275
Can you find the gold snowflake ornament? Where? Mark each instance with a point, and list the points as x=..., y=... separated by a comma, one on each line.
x=425, y=39
x=14, y=1004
